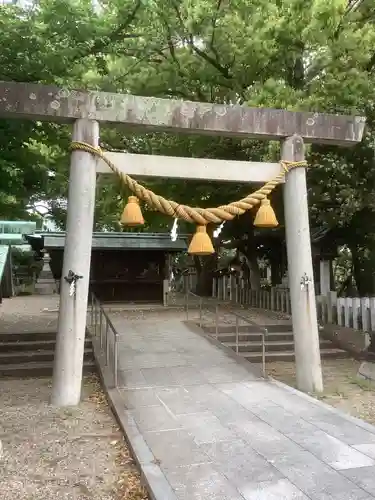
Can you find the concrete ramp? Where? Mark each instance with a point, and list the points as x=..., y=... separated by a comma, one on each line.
x=203, y=425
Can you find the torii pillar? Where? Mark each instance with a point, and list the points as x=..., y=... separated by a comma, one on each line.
x=70, y=342
x=85, y=109
x=300, y=271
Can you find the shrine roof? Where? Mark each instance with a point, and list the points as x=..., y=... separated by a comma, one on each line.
x=112, y=241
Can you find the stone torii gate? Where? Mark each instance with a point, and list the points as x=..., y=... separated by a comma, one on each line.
x=86, y=109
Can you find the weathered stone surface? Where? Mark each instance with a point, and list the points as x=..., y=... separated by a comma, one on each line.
x=363, y=477
x=367, y=370
x=190, y=168
x=41, y=102
x=353, y=341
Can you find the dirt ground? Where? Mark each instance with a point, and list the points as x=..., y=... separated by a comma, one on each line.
x=67, y=454
x=342, y=388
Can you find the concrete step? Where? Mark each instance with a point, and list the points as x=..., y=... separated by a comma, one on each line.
x=37, y=369
x=27, y=337
x=35, y=345
x=256, y=357
x=281, y=345
x=32, y=354
x=272, y=328
x=254, y=337
x=22, y=357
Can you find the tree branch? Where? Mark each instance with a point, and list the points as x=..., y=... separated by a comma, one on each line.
x=190, y=41
x=177, y=64
x=119, y=31
x=371, y=63
x=214, y=20
x=353, y=5
x=221, y=69
x=100, y=45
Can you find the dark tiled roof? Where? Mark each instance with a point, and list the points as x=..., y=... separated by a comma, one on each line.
x=125, y=241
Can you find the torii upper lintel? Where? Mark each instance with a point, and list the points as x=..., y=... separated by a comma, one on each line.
x=43, y=102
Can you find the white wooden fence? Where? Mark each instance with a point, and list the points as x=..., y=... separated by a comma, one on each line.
x=352, y=312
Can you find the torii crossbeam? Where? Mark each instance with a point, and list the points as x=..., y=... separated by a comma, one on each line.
x=142, y=114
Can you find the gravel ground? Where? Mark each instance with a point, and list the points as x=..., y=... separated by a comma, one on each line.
x=68, y=454
x=34, y=313
x=342, y=388
x=74, y=453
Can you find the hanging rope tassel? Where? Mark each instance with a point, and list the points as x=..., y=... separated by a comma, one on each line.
x=265, y=216
x=200, y=216
x=132, y=214
x=201, y=243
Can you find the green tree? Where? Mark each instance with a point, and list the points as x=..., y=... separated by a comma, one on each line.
x=54, y=41
x=302, y=55
x=311, y=55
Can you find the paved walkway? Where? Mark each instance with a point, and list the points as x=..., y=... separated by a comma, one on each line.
x=220, y=432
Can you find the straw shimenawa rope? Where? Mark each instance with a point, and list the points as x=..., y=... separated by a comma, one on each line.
x=199, y=216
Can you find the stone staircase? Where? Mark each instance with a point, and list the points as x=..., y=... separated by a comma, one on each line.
x=279, y=343
x=28, y=355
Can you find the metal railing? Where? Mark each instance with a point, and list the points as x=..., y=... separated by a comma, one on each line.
x=102, y=327
x=263, y=331
x=187, y=303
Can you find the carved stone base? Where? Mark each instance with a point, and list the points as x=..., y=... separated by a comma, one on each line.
x=367, y=370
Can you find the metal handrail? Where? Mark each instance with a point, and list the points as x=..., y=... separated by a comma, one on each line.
x=263, y=330
x=98, y=323
x=200, y=305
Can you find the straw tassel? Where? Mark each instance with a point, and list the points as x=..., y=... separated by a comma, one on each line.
x=132, y=214
x=201, y=243
x=265, y=216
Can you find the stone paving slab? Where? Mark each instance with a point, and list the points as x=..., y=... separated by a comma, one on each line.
x=218, y=431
